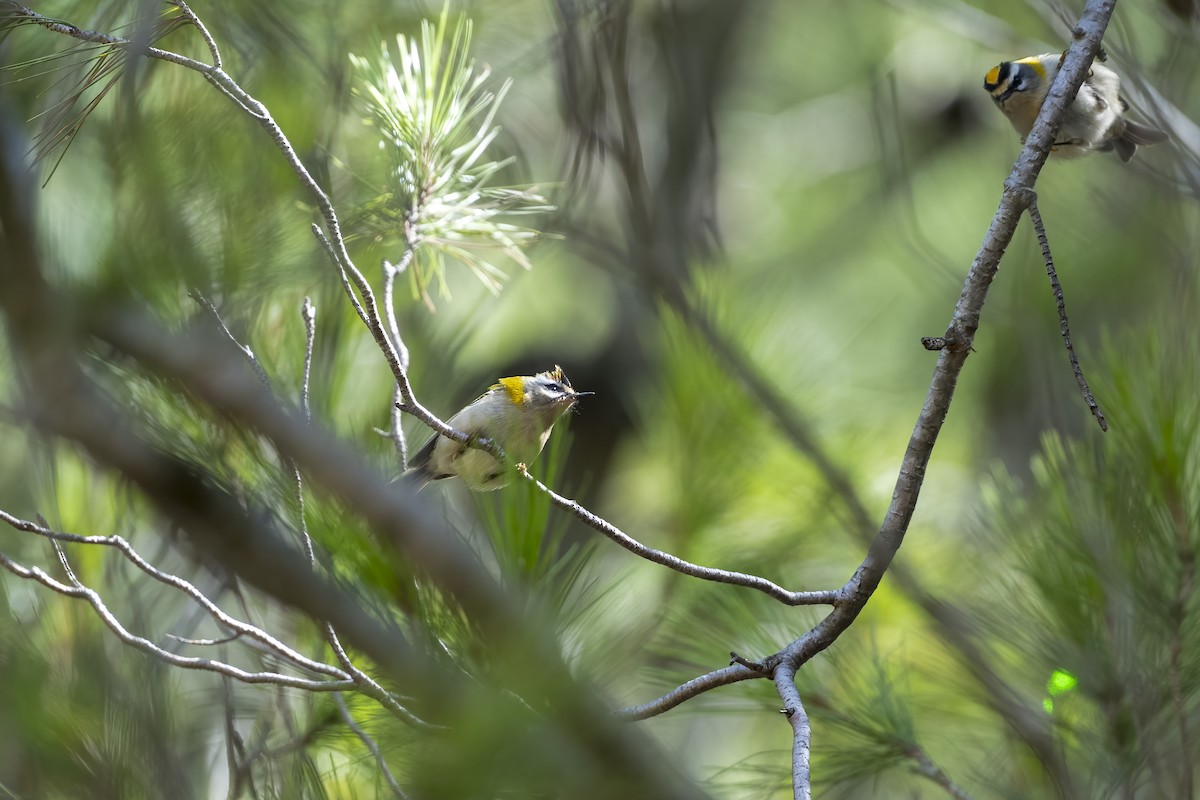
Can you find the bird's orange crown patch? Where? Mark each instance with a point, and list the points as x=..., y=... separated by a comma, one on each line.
x=1035, y=62
x=515, y=388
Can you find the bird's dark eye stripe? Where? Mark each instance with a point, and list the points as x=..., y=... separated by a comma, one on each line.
x=554, y=387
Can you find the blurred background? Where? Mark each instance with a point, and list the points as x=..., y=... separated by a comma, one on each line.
x=809, y=180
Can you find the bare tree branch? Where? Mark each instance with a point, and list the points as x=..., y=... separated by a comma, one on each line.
x=793, y=709
x=370, y=744
x=734, y=673
x=78, y=590
x=204, y=34
x=208, y=306
x=241, y=629
x=961, y=334
x=308, y=313
x=390, y=273
x=643, y=248
x=678, y=564
x=370, y=687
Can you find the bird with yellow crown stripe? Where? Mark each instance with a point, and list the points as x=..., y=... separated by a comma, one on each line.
x=517, y=413
x=1094, y=122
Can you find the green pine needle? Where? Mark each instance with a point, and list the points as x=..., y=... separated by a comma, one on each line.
x=436, y=123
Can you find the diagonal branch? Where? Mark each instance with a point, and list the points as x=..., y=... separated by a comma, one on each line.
x=735, y=673
x=77, y=590
x=370, y=744
x=951, y=359
x=605, y=527
x=224, y=620
x=960, y=334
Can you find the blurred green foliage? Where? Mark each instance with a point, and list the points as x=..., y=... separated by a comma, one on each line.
x=859, y=166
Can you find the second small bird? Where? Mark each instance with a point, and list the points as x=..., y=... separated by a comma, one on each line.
x=1094, y=122
x=517, y=413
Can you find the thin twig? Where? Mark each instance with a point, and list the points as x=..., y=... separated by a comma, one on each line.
x=204, y=34
x=366, y=684
x=370, y=745
x=79, y=591
x=327, y=246
x=207, y=305
x=234, y=746
x=396, y=434
x=308, y=313
x=678, y=564
x=735, y=673
x=1063, y=326
x=369, y=686
x=390, y=273
x=233, y=637
x=308, y=316
x=95, y=37
x=756, y=666
x=223, y=619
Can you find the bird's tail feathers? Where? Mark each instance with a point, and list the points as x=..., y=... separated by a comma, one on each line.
x=419, y=473
x=1138, y=133
x=1132, y=135
x=415, y=478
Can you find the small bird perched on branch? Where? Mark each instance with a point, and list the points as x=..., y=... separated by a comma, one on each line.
x=517, y=413
x=1094, y=122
